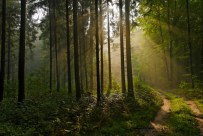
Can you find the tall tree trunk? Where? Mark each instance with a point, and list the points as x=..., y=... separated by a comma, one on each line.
x=81, y=40
x=162, y=42
x=3, y=42
x=128, y=49
x=122, y=48
x=97, y=52
x=9, y=53
x=202, y=63
x=64, y=78
x=189, y=41
x=56, y=50
x=170, y=42
x=101, y=44
x=84, y=56
x=81, y=49
x=76, y=61
x=85, y=63
x=109, y=47
x=68, y=48
x=91, y=64
x=50, y=47
x=91, y=47
x=21, y=65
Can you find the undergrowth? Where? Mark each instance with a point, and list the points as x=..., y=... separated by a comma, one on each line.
x=60, y=114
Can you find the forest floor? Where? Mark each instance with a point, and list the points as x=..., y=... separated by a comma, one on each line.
x=197, y=114
x=149, y=113
x=59, y=114
x=177, y=116
x=158, y=124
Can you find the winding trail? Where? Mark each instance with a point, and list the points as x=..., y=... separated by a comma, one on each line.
x=158, y=123
x=197, y=115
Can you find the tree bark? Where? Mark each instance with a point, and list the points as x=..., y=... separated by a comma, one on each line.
x=189, y=41
x=91, y=47
x=201, y=73
x=85, y=62
x=50, y=48
x=56, y=50
x=76, y=61
x=122, y=49
x=128, y=49
x=81, y=41
x=162, y=42
x=101, y=44
x=109, y=47
x=97, y=52
x=9, y=53
x=21, y=64
x=170, y=42
x=3, y=42
x=68, y=49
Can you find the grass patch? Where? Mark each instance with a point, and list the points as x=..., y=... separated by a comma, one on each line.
x=58, y=114
x=196, y=93
x=179, y=121
x=199, y=104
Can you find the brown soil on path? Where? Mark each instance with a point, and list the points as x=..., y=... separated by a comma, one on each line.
x=197, y=114
x=158, y=123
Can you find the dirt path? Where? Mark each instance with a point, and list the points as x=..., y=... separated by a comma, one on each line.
x=158, y=123
x=197, y=114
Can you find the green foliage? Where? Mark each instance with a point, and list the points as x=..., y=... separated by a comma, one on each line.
x=116, y=86
x=60, y=114
x=196, y=93
x=125, y=116
x=157, y=16
x=184, y=85
x=199, y=104
x=37, y=81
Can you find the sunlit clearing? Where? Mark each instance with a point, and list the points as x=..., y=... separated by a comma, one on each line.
x=150, y=63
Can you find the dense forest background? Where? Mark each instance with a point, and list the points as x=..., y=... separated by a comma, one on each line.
x=80, y=48
x=166, y=44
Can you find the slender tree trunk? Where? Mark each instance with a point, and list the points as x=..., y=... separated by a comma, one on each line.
x=85, y=59
x=101, y=44
x=202, y=63
x=64, y=79
x=12, y=70
x=91, y=65
x=9, y=54
x=21, y=65
x=81, y=49
x=162, y=42
x=3, y=42
x=122, y=48
x=85, y=64
x=109, y=47
x=91, y=48
x=128, y=49
x=76, y=61
x=170, y=42
x=68, y=48
x=81, y=40
x=97, y=52
x=91, y=62
x=190, y=43
x=56, y=50
x=50, y=48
